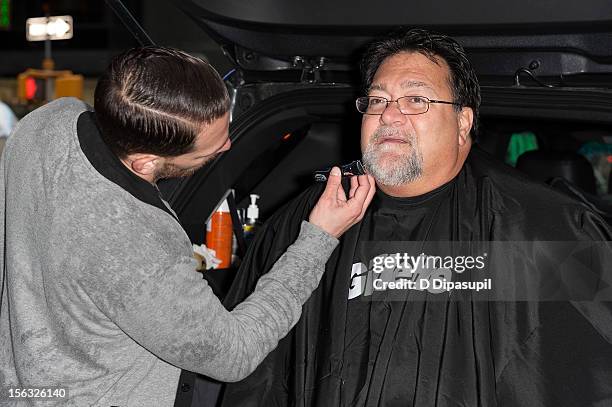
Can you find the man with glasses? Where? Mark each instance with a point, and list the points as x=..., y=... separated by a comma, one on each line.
x=364, y=343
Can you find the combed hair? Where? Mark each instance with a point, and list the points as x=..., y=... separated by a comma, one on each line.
x=156, y=100
x=463, y=81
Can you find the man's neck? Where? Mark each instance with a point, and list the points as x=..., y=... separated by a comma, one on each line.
x=415, y=188
x=422, y=185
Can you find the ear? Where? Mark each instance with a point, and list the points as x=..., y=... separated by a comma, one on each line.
x=144, y=165
x=466, y=119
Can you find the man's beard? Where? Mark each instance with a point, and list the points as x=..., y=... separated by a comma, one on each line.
x=170, y=170
x=393, y=171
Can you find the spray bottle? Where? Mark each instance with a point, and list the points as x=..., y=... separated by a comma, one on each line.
x=251, y=225
x=219, y=235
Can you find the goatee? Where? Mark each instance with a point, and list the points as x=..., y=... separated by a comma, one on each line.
x=403, y=169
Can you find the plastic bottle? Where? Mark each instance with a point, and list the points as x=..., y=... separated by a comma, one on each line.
x=219, y=235
x=251, y=224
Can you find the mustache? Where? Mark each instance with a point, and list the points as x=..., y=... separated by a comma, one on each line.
x=388, y=132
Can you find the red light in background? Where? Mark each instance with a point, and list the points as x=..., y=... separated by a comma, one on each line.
x=30, y=88
x=286, y=136
x=610, y=159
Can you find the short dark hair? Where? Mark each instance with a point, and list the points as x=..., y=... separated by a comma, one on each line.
x=463, y=81
x=156, y=100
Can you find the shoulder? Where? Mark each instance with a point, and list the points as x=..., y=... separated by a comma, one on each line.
x=517, y=200
x=56, y=110
x=515, y=187
x=298, y=208
x=47, y=125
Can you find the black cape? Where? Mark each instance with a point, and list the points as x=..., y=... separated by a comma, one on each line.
x=441, y=353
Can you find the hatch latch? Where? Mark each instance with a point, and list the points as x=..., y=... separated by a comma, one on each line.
x=311, y=68
x=530, y=71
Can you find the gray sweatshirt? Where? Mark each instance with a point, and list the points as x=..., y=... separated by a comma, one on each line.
x=99, y=292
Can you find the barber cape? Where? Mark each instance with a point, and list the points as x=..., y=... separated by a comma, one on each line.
x=430, y=348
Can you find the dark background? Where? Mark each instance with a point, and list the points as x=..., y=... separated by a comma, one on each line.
x=98, y=34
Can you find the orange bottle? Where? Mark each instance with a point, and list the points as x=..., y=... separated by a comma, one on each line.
x=219, y=234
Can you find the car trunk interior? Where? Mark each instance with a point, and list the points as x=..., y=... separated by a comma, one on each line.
x=546, y=81
x=279, y=143
x=545, y=77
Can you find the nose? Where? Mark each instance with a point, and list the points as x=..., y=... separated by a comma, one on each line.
x=392, y=116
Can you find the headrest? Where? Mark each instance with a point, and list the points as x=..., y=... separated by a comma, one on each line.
x=544, y=165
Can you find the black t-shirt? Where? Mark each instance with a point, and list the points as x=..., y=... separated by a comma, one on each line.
x=424, y=217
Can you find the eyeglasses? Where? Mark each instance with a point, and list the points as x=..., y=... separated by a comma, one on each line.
x=408, y=105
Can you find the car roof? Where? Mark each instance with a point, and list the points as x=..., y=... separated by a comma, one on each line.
x=339, y=28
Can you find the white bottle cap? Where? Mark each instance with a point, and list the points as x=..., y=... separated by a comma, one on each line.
x=253, y=210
